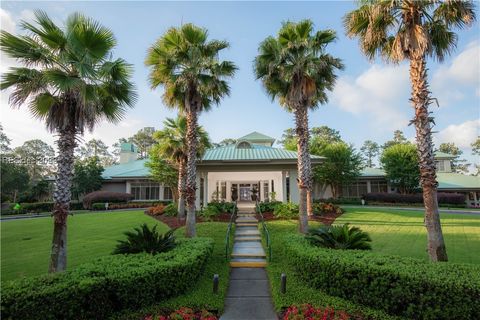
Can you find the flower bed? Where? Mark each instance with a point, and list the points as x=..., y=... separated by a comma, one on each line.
x=184, y=314
x=308, y=312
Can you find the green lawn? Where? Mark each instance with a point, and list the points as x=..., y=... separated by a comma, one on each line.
x=26, y=243
x=403, y=233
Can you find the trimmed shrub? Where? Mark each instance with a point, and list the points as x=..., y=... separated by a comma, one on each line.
x=157, y=210
x=268, y=206
x=209, y=212
x=222, y=206
x=287, y=210
x=401, y=286
x=417, y=198
x=339, y=237
x=326, y=208
x=96, y=290
x=105, y=196
x=171, y=210
x=352, y=201
x=144, y=239
x=38, y=207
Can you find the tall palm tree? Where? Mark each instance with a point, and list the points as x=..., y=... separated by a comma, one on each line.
x=69, y=82
x=187, y=65
x=412, y=30
x=172, y=145
x=295, y=68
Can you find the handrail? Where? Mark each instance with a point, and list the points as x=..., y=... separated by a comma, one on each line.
x=265, y=229
x=229, y=228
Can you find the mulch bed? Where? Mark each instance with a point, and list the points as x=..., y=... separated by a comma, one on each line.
x=174, y=222
x=326, y=219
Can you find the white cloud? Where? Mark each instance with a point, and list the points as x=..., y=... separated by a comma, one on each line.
x=380, y=93
x=462, y=134
x=451, y=82
x=7, y=22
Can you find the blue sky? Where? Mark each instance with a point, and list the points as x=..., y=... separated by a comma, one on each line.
x=370, y=100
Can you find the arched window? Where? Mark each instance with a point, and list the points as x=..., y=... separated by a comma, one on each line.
x=244, y=145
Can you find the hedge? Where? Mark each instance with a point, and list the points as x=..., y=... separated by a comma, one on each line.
x=38, y=207
x=105, y=196
x=443, y=198
x=400, y=286
x=130, y=205
x=96, y=290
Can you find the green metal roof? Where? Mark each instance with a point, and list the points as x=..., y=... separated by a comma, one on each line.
x=454, y=181
x=257, y=152
x=256, y=136
x=443, y=155
x=372, y=172
x=131, y=169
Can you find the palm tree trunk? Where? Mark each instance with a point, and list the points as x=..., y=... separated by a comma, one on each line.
x=303, y=165
x=191, y=187
x=181, y=189
x=309, y=203
x=428, y=179
x=61, y=197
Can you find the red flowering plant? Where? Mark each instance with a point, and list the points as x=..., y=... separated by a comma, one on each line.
x=184, y=313
x=308, y=312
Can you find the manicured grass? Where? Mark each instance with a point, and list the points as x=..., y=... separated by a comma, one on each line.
x=403, y=233
x=200, y=296
x=26, y=243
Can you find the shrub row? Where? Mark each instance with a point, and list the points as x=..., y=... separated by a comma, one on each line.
x=352, y=201
x=105, y=196
x=443, y=198
x=268, y=206
x=38, y=207
x=130, y=205
x=222, y=206
x=401, y=286
x=96, y=290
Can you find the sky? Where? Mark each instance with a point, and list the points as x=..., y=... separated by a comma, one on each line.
x=370, y=99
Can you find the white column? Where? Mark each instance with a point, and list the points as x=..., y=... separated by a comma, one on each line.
x=284, y=187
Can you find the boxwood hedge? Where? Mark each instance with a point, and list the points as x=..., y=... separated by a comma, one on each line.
x=400, y=286
x=112, y=283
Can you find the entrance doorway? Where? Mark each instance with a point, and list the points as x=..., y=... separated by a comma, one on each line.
x=246, y=190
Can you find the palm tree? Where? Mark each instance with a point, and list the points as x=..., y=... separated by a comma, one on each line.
x=187, y=65
x=69, y=82
x=411, y=30
x=172, y=145
x=295, y=68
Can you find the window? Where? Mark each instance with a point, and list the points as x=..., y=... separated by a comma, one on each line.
x=244, y=145
x=145, y=191
x=440, y=165
x=355, y=189
x=265, y=190
x=378, y=186
x=223, y=193
x=167, y=193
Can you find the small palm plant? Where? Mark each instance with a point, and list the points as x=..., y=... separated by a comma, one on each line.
x=144, y=239
x=339, y=237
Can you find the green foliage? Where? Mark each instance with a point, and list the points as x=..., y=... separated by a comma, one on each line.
x=144, y=239
x=222, y=206
x=400, y=286
x=339, y=237
x=321, y=208
x=458, y=165
x=105, y=196
x=39, y=207
x=268, y=206
x=112, y=283
x=171, y=210
x=98, y=206
x=37, y=156
x=210, y=211
x=15, y=181
x=286, y=210
x=144, y=140
x=98, y=149
x=87, y=176
x=400, y=163
x=161, y=170
x=370, y=151
x=341, y=166
x=398, y=138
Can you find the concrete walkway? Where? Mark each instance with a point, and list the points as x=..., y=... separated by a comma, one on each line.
x=248, y=296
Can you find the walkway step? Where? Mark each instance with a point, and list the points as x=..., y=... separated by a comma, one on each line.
x=248, y=255
x=248, y=239
x=245, y=224
x=248, y=264
x=242, y=232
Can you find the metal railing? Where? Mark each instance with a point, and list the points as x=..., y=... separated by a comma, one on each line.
x=229, y=230
x=265, y=231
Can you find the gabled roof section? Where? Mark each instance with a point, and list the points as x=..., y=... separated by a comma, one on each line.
x=127, y=170
x=443, y=155
x=257, y=137
x=457, y=181
x=256, y=153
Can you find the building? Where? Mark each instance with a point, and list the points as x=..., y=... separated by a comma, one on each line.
x=250, y=169
x=253, y=169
